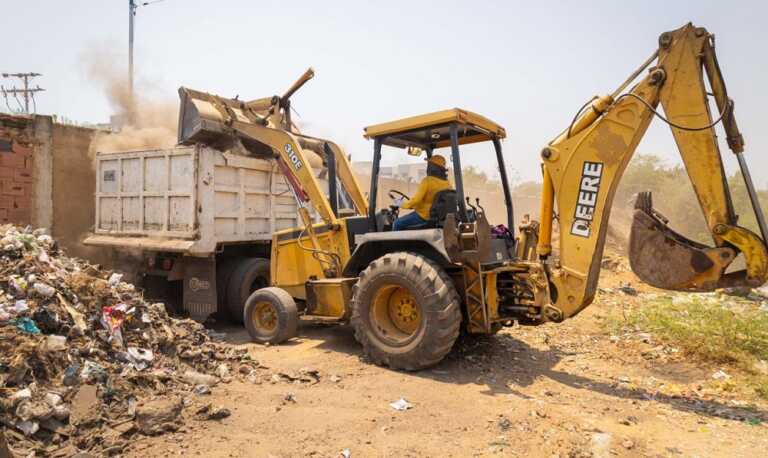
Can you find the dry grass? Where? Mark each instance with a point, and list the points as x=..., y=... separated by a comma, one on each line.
x=719, y=331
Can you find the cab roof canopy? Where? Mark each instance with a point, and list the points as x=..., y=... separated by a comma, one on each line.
x=432, y=130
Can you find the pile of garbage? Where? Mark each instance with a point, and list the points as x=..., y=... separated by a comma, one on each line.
x=86, y=363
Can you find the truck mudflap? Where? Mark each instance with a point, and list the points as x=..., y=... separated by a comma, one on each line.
x=200, y=299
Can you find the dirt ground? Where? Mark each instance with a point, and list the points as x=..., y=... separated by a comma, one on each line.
x=568, y=390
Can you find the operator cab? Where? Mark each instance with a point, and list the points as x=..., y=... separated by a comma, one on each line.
x=423, y=135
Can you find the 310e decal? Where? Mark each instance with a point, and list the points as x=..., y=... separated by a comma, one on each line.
x=293, y=156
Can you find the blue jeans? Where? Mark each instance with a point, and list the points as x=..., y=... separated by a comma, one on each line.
x=408, y=221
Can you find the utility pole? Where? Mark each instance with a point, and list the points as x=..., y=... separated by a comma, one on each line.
x=27, y=93
x=132, y=7
x=131, y=16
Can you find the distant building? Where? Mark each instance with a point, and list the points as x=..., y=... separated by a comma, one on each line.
x=410, y=173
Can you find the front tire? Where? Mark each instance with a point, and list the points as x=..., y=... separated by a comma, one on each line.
x=271, y=316
x=405, y=311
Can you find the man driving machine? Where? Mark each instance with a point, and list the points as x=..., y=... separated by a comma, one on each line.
x=421, y=202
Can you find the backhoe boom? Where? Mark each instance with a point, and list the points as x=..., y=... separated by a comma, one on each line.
x=584, y=165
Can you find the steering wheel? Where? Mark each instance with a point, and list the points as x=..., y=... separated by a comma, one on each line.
x=393, y=193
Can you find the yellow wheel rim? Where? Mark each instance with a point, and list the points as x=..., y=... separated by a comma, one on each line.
x=395, y=314
x=264, y=317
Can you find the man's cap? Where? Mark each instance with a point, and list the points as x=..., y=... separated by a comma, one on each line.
x=438, y=160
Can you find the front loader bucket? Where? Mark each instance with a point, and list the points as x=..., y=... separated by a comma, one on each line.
x=204, y=118
x=666, y=259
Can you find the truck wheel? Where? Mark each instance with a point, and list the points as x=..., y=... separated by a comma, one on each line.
x=405, y=311
x=248, y=275
x=271, y=316
x=224, y=270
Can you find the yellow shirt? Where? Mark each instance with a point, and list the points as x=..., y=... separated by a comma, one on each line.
x=421, y=202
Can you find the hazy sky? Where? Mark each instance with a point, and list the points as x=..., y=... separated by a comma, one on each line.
x=527, y=65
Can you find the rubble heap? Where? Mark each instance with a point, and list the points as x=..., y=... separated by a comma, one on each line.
x=85, y=362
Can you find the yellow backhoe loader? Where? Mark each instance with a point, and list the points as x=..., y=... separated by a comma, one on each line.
x=409, y=293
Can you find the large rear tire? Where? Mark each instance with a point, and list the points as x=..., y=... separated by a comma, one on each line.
x=271, y=316
x=405, y=311
x=249, y=275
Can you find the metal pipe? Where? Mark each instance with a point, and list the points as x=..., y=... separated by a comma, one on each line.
x=753, y=197
x=505, y=186
x=634, y=75
x=457, y=173
x=333, y=193
x=374, y=182
x=306, y=76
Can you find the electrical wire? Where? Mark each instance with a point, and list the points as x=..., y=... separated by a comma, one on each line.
x=5, y=96
x=728, y=108
x=21, y=107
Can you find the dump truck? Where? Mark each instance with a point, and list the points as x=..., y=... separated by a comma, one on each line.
x=197, y=217
x=195, y=221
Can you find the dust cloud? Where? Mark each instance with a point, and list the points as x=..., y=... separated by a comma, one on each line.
x=149, y=121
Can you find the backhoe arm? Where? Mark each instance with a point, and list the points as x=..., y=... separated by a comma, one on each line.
x=583, y=166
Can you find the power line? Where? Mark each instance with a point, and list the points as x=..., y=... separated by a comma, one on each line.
x=27, y=93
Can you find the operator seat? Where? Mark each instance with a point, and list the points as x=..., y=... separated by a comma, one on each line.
x=445, y=202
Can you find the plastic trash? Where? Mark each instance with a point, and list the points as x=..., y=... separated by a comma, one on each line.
x=45, y=239
x=720, y=375
x=43, y=289
x=52, y=399
x=20, y=306
x=28, y=427
x=140, y=358
x=201, y=390
x=21, y=395
x=70, y=375
x=115, y=279
x=196, y=378
x=18, y=286
x=112, y=318
x=26, y=325
x=401, y=405
x=54, y=342
x=93, y=372
x=61, y=412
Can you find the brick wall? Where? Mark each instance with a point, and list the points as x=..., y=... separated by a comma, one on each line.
x=47, y=179
x=16, y=179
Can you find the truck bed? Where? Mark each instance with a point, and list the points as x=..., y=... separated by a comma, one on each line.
x=188, y=199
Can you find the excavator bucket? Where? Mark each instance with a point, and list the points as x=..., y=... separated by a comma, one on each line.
x=666, y=259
